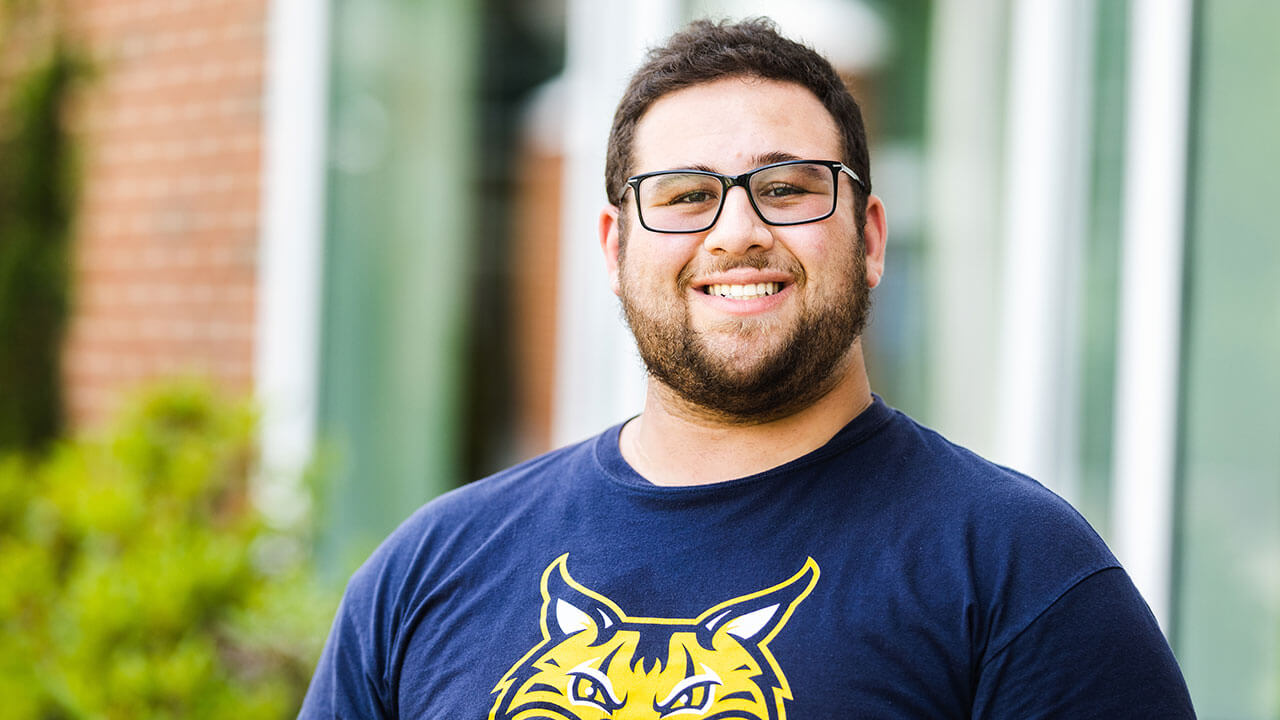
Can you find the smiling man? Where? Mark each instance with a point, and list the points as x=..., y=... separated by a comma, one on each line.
x=767, y=539
x=746, y=304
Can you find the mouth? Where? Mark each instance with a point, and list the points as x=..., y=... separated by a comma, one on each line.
x=747, y=291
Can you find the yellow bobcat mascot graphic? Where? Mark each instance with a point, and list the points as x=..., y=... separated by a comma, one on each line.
x=597, y=662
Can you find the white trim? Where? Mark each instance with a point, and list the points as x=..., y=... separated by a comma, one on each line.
x=1147, y=365
x=599, y=379
x=290, y=250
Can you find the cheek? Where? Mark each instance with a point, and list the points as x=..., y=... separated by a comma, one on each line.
x=654, y=268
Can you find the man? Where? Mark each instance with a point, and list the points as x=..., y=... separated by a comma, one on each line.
x=767, y=540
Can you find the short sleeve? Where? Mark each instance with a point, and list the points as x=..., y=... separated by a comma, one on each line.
x=1096, y=652
x=349, y=681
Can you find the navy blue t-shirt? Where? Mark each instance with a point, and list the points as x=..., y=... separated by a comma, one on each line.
x=888, y=574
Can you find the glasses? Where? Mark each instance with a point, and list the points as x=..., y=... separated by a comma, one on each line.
x=786, y=193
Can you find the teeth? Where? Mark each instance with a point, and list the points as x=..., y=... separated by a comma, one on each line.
x=754, y=290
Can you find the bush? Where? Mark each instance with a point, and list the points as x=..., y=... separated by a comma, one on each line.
x=38, y=192
x=137, y=580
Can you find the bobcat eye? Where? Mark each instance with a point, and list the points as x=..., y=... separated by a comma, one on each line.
x=588, y=690
x=692, y=698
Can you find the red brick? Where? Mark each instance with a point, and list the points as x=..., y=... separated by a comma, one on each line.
x=166, y=260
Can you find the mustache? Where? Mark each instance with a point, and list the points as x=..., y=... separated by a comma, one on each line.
x=751, y=261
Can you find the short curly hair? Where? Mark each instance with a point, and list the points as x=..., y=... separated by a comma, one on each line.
x=706, y=51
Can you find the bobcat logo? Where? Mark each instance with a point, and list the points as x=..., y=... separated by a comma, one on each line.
x=597, y=662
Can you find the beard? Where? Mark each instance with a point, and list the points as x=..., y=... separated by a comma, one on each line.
x=793, y=366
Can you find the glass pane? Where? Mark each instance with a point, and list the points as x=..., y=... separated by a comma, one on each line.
x=1227, y=594
x=792, y=193
x=1101, y=286
x=395, y=266
x=679, y=201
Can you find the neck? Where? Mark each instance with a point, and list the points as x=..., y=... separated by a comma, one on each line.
x=671, y=443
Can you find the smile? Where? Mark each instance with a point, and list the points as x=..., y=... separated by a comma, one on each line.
x=750, y=290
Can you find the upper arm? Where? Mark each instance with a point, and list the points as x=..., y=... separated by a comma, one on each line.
x=349, y=681
x=1096, y=652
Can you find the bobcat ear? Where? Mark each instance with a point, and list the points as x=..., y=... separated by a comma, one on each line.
x=759, y=616
x=569, y=608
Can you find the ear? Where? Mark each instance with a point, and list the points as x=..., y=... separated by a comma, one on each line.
x=608, y=229
x=875, y=235
x=568, y=608
x=756, y=618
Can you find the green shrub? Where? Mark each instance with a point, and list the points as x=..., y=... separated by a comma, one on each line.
x=137, y=580
x=39, y=186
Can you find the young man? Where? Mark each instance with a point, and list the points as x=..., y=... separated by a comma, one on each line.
x=767, y=540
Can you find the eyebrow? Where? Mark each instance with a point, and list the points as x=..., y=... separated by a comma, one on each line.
x=768, y=158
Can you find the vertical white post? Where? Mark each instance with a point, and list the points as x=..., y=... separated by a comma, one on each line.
x=290, y=249
x=1150, y=315
x=1045, y=161
x=965, y=65
x=599, y=378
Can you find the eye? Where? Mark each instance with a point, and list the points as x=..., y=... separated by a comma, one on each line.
x=782, y=190
x=693, y=698
x=693, y=197
x=679, y=189
x=586, y=689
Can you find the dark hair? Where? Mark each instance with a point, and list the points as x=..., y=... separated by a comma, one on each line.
x=706, y=51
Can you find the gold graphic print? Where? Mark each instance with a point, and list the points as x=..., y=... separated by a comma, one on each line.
x=597, y=662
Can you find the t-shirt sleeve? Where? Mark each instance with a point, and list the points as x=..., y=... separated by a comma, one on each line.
x=1096, y=652
x=349, y=681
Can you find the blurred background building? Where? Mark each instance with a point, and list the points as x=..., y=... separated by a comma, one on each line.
x=379, y=217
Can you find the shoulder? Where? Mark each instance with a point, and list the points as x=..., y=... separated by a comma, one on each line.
x=457, y=522
x=938, y=472
x=1096, y=650
x=417, y=559
x=1020, y=546
x=418, y=564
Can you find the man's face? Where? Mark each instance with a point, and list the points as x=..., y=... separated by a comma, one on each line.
x=693, y=301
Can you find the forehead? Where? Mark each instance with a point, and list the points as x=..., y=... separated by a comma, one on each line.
x=730, y=124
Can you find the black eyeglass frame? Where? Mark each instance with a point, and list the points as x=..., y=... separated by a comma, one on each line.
x=730, y=181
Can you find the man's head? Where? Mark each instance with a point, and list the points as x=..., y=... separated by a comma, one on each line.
x=745, y=320
x=707, y=51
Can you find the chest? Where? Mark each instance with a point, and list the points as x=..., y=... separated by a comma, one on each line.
x=749, y=636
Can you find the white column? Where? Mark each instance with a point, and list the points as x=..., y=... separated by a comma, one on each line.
x=290, y=250
x=1044, y=179
x=1151, y=294
x=599, y=378
x=963, y=216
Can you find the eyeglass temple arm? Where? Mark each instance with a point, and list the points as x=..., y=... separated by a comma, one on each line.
x=854, y=176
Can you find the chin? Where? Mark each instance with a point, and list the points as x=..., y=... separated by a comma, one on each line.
x=741, y=358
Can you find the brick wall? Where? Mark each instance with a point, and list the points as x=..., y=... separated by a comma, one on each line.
x=168, y=228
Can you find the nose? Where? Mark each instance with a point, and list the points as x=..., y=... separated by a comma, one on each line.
x=739, y=228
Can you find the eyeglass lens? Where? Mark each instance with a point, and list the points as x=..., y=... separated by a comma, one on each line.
x=690, y=201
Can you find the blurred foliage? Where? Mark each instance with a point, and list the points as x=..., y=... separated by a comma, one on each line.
x=137, y=580
x=38, y=191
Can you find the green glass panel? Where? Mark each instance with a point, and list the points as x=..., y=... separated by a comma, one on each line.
x=1227, y=612
x=396, y=265
x=1100, y=296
